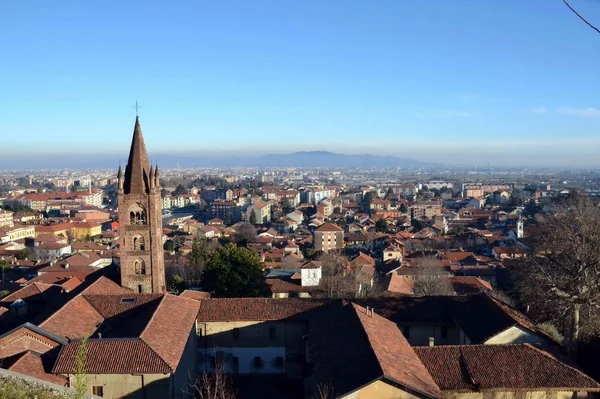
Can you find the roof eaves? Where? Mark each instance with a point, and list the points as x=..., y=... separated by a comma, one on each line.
x=37, y=330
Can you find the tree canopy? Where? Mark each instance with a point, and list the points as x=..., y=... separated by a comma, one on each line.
x=234, y=272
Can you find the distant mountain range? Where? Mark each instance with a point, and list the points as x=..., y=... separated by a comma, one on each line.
x=302, y=159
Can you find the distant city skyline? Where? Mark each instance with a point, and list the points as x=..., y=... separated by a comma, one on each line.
x=465, y=83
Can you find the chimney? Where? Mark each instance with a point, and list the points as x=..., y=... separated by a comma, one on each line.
x=431, y=341
x=372, y=312
x=99, y=335
x=367, y=311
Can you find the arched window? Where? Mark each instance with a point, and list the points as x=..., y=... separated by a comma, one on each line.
x=137, y=214
x=138, y=243
x=139, y=266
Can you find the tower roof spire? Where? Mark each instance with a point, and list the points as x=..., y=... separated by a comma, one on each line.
x=138, y=167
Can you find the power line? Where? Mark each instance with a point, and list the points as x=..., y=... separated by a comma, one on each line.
x=580, y=17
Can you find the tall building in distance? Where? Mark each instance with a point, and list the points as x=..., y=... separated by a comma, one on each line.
x=140, y=220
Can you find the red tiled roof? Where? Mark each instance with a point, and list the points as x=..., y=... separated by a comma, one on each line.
x=196, y=295
x=169, y=329
x=363, y=259
x=344, y=336
x=238, y=309
x=395, y=355
x=112, y=356
x=31, y=363
x=398, y=284
x=500, y=368
x=329, y=227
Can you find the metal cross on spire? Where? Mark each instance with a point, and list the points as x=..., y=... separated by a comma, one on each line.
x=137, y=107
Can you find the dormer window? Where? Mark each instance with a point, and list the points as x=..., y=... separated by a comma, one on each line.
x=127, y=300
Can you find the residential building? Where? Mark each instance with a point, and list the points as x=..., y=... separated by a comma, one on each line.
x=261, y=211
x=425, y=209
x=328, y=237
x=84, y=231
x=140, y=218
x=226, y=210
x=6, y=219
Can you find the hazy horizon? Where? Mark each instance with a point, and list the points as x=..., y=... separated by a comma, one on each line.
x=445, y=84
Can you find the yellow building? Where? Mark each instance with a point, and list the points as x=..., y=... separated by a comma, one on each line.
x=58, y=229
x=83, y=231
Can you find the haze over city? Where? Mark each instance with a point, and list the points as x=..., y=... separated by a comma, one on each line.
x=510, y=83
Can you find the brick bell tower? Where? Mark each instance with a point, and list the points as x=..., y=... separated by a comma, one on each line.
x=140, y=221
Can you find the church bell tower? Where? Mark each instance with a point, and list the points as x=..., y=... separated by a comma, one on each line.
x=140, y=221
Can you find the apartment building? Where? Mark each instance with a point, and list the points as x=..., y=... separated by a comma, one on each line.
x=328, y=237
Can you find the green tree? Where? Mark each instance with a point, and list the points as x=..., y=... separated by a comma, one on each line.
x=23, y=254
x=177, y=284
x=81, y=383
x=179, y=190
x=4, y=293
x=368, y=198
x=227, y=221
x=252, y=218
x=381, y=226
x=199, y=253
x=235, y=272
x=169, y=246
x=403, y=208
x=286, y=205
x=4, y=265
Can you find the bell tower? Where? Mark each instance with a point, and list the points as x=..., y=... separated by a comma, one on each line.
x=140, y=221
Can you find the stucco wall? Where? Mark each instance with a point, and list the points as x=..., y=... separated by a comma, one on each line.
x=253, y=339
x=418, y=334
x=516, y=335
x=380, y=390
x=187, y=370
x=148, y=386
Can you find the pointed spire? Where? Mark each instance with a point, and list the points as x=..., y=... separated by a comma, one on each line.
x=138, y=167
x=120, y=173
x=156, y=180
x=151, y=177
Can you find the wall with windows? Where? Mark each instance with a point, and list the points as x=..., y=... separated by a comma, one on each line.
x=252, y=347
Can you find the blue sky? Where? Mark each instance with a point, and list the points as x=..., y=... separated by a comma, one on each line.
x=463, y=81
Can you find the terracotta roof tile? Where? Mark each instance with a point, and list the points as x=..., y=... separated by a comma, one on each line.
x=377, y=345
x=196, y=295
x=113, y=356
x=168, y=331
x=329, y=227
x=238, y=309
x=35, y=365
x=500, y=367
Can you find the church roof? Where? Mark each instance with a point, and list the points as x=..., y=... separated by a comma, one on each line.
x=137, y=172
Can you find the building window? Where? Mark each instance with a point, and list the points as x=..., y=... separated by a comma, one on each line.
x=406, y=332
x=272, y=332
x=236, y=333
x=235, y=364
x=444, y=331
x=138, y=243
x=257, y=362
x=139, y=288
x=98, y=390
x=279, y=362
x=139, y=266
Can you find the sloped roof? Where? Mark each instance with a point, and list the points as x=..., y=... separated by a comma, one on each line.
x=344, y=336
x=329, y=227
x=238, y=309
x=137, y=171
x=112, y=356
x=500, y=367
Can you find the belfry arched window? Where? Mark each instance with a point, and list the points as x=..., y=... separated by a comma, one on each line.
x=137, y=214
x=139, y=266
x=139, y=243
